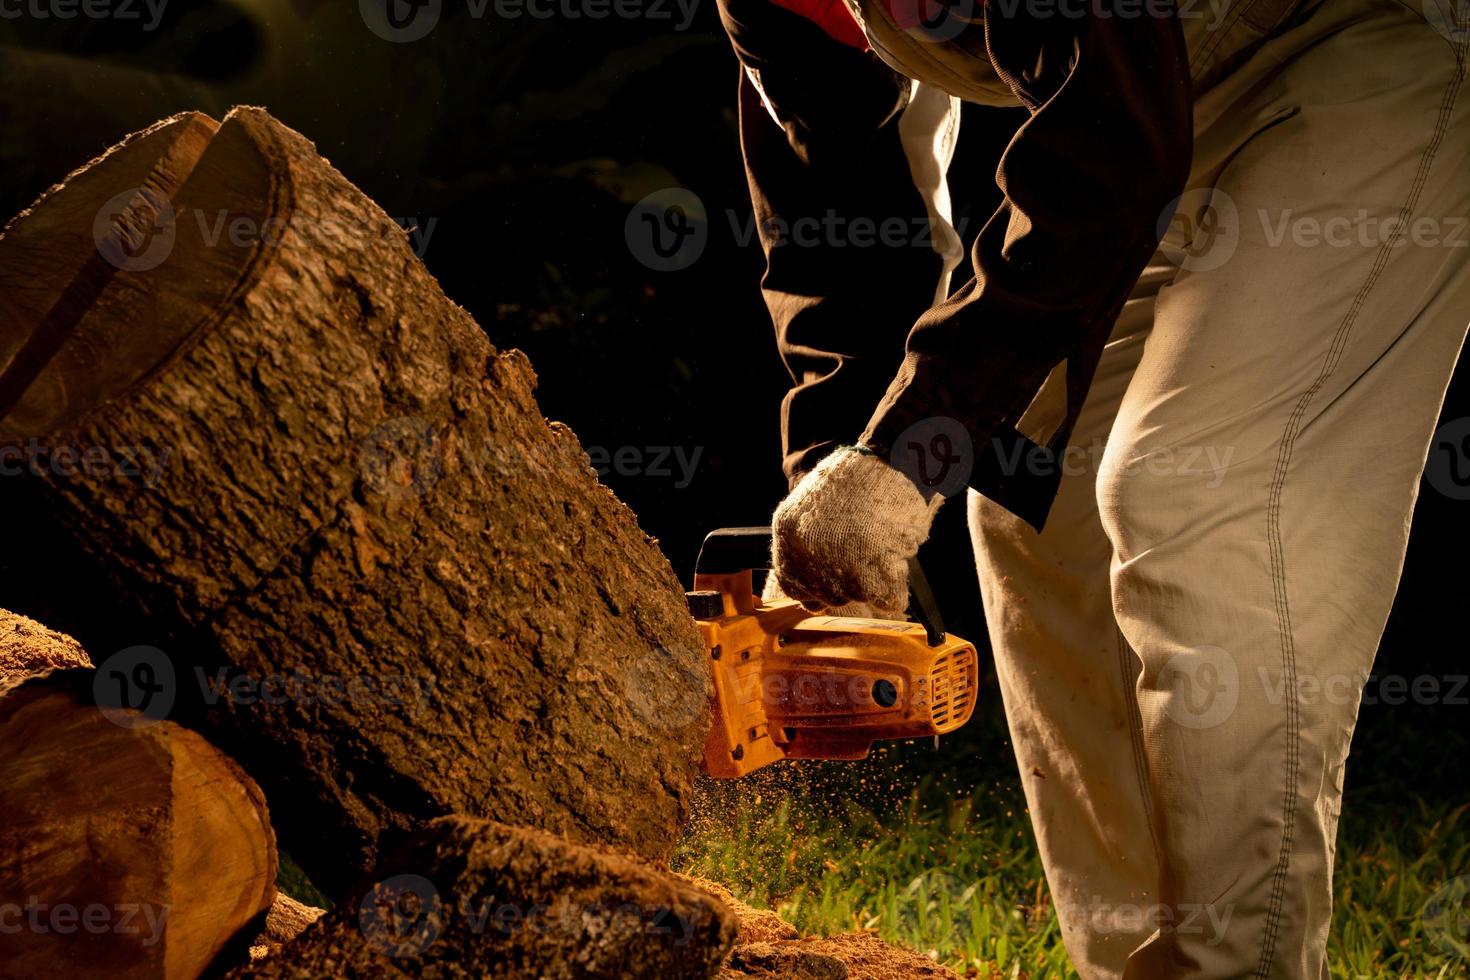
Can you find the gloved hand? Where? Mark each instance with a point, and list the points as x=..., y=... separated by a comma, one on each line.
x=845, y=534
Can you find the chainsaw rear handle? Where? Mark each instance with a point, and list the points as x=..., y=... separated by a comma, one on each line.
x=728, y=550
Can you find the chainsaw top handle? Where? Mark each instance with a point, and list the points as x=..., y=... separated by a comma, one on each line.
x=737, y=549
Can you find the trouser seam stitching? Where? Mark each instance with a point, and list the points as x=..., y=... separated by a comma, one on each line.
x=1273, y=518
x=1135, y=728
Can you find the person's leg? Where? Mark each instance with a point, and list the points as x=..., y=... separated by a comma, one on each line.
x=1067, y=679
x=1308, y=344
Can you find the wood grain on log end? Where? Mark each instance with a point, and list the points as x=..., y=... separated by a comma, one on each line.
x=134, y=848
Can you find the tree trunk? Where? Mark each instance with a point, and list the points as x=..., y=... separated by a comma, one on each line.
x=385, y=583
x=130, y=848
x=472, y=898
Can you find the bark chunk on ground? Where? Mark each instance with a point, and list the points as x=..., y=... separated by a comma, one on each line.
x=475, y=898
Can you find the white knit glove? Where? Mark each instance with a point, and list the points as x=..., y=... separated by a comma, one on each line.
x=846, y=532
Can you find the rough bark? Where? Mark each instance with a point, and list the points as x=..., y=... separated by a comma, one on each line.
x=356, y=491
x=130, y=848
x=474, y=898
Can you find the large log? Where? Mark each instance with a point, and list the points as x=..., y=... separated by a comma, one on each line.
x=473, y=898
x=262, y=427
x=130, y=847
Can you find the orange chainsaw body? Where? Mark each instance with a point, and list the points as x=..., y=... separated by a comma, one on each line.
x=792, y=685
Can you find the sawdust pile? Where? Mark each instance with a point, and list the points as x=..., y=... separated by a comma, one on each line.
x=286, y=920
x=27, y=646
x=767, y=946
x=856, y=956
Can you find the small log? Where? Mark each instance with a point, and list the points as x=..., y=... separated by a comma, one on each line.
x=384, y=582
x=473, y=898
x=130, y=848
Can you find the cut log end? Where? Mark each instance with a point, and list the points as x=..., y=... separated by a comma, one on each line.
x=140, y=850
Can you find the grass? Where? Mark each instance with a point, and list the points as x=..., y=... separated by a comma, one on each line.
x=901, y=845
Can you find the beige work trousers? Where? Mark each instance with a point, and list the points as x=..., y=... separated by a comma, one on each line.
x=1182, y=651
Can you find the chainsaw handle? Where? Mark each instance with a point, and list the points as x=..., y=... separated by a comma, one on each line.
x=728, y=550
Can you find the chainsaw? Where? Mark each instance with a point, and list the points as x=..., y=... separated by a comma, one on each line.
x=790, y=684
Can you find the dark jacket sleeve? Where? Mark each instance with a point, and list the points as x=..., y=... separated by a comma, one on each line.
x=1087, y=180
x=840, y=312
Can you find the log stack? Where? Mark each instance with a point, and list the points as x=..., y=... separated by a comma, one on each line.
x=380, y=579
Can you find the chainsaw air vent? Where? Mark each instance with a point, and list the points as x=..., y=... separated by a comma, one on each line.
x=952, y=683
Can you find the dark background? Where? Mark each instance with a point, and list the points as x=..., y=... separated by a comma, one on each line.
x=519, y=145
